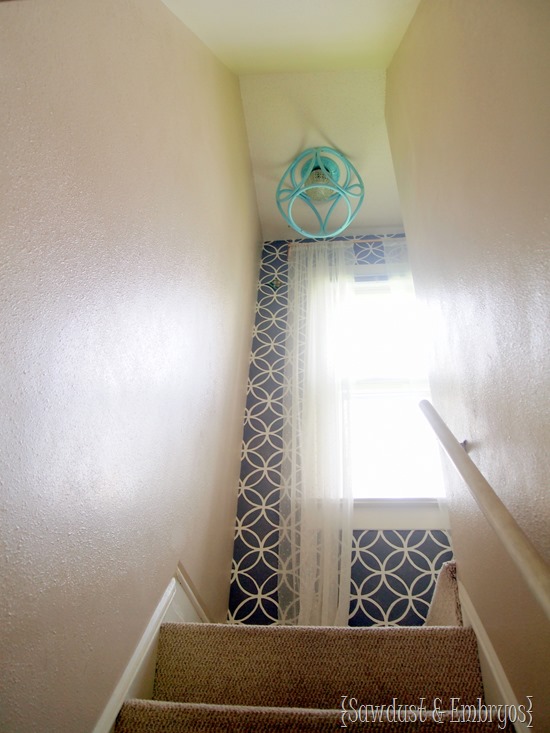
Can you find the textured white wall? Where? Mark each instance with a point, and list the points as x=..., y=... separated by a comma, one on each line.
x=129, y=260
x=468, y=113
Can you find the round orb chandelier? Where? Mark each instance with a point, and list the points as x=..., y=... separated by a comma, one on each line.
x=320, y=193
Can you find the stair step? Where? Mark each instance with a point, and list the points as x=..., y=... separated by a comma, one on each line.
x=312, y=667
x=148, y=716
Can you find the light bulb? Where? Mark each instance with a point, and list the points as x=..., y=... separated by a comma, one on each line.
x=316, y=177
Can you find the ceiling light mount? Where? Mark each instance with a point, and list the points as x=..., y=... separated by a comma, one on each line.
x=320, y=193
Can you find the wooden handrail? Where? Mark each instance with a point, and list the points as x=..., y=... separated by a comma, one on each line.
x=529, y=562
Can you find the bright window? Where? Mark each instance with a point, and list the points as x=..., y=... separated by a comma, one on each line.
x=394, y=454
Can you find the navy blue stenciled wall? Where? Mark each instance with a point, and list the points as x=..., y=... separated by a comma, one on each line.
x=393, y=571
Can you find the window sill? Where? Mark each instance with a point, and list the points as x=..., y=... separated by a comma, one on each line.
x=400, y=514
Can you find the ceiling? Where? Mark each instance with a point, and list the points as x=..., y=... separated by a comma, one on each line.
x=311, y=74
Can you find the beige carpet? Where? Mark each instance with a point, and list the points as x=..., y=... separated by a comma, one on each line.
x=291, y=666
x=146, y=716
x=255, y=679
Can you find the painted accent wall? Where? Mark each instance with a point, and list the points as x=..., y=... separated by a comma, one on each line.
x=129, y=256
x=394, y=567
x=468, y=114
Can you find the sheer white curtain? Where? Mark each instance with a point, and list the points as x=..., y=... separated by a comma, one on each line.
x=316, y=497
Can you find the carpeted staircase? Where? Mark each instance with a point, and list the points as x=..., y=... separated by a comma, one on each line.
x=245, y=679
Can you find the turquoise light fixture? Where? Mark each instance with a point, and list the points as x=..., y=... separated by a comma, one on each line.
x=320, y=193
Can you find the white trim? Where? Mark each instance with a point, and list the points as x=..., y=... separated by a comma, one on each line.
x=192, y=595
x=400, y=514
x=136, y=663
x=497, y=688
x=179, y=602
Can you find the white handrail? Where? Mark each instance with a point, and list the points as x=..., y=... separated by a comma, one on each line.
x=529, y=562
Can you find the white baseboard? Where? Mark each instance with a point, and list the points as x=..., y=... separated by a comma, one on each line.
x=191, y=604
x=498, y=690
x=178, y=603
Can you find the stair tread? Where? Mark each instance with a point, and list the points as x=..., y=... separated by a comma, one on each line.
x=311, y=667
x=147, y=716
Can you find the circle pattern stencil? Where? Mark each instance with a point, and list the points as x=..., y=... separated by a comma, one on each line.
x=393, y=571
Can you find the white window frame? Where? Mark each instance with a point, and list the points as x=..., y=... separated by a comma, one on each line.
x=385, y=512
